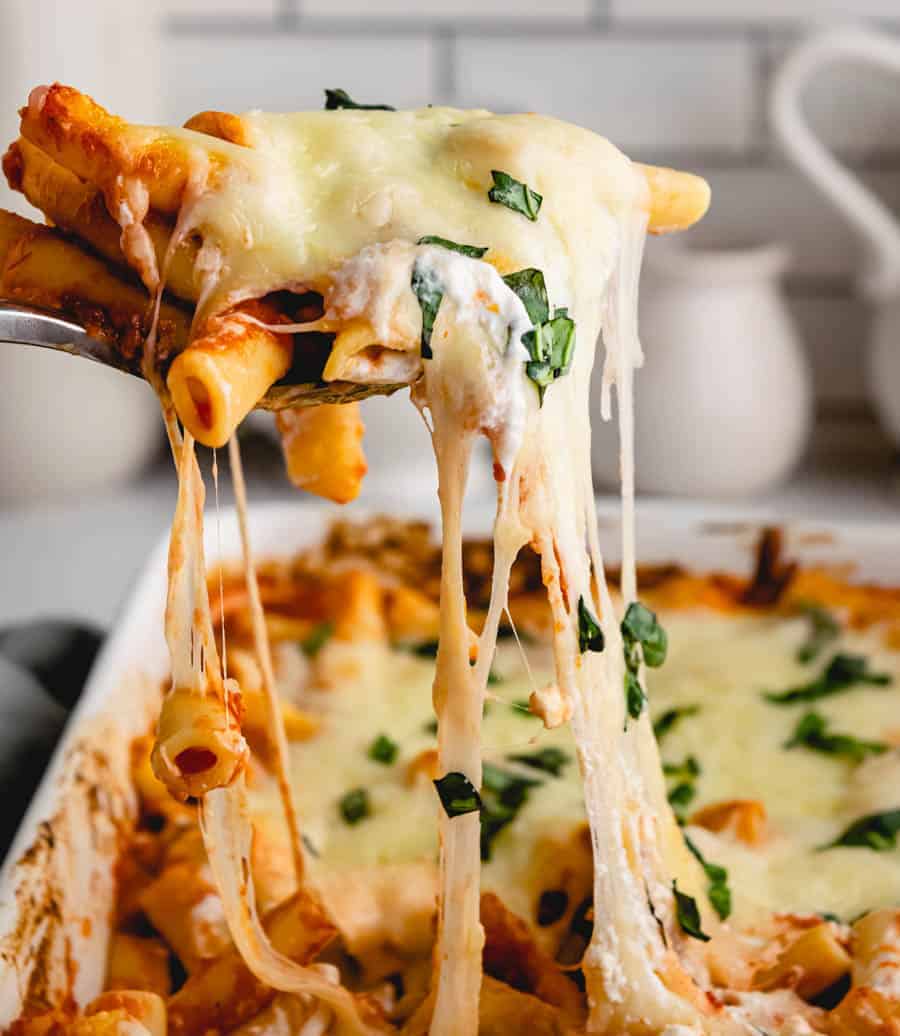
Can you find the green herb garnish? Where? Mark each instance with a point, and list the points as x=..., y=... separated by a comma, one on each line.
x=688, y=914
x=549, y=760
x=431, y=727
x=823, y=629
x=335, y=99
x=685, y=791
x=472, y=251
x=457, y=794
x=718, y=891
x=590, y=636
x=529, y=285
x=670, y=717
x=643, y=639
x=522, y=706
x=503, y=795
x=550, y=346
x=354, y=806
x=515, y=195
x=635, y=698
x=876, y=831
x=688, y=770
x=493, y=678
x=841, y=673
x=383, y=750
x=680, y=797
x=316, y=639
x=550, y=342
x=640, y=626
x=502, y=782
x=812, y=732
x=429, y=292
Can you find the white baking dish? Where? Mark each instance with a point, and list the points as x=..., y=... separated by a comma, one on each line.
x=56, y=888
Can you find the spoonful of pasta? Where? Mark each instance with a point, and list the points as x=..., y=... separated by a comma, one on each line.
x=126, y=276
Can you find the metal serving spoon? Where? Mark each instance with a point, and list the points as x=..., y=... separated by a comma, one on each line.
x=45, y=329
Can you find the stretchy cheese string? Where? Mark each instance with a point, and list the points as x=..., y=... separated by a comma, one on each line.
x=227, y=836
x=274, y=715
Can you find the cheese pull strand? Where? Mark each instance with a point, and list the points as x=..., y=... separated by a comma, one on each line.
x=199, y=742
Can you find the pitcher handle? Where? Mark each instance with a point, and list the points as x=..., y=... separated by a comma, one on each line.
x=880, y=279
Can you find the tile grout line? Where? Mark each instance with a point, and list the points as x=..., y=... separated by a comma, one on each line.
x=444, y=75
x=600, y=15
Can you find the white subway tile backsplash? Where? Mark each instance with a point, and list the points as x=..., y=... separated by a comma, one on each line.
x=216, y=8
x=646, y=95
x=853, y=107
x=507, y=10
x=780, y=204
x=835, y=332
x=290, y=72
x=782, y=11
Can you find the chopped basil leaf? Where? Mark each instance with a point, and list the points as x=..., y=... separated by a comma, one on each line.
x=493, y=678
x=428, y=291
x=688, y=914
x=427, y=649
x=316, y=639
x=472, y=251
x=457, y=794
x=823, y=629
x=686, y=771
x=550, y=760
x=550, y=342
x=503, y=795
x=590, y=636
x=718, y=891
x=335, y=99
x=811, y=732
x=680, y=797
x=550, y=346
x=635, y=699
x=523, y=707
x=640, y=626
x=841, y=673
x=876, y=831
x=383, y=750
x=431, y=727
x=354, y=806
x=670, y=717
x=510, y=786
x=515, y=195
x=529, y=285
x=640, y=630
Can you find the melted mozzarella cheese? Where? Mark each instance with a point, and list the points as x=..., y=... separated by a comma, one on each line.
x=724, y=664
x=316, y=188
x=717, y=661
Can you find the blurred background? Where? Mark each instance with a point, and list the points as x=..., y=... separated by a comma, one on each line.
x=764, y=330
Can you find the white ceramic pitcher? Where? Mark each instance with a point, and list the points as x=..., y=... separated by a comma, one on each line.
x=723, y=404
x=879, y=278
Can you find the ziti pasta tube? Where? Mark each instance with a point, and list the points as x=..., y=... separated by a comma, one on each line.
x=221, y=376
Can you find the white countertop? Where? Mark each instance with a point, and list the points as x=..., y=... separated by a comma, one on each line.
x=78, y=558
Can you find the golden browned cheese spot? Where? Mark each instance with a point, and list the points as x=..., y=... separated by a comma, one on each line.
x=744, y=819
x=423, y=767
